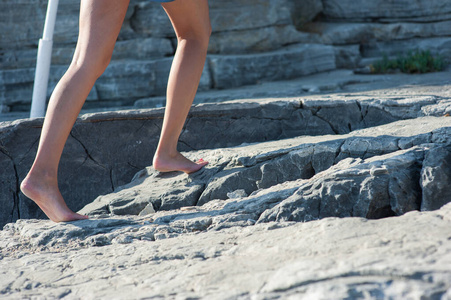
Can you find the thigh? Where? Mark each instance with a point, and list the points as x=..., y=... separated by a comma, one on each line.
x=190, y=18
x=100, y=23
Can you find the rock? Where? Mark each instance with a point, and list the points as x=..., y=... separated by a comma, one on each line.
x=235, y=15
x=403, y=9
x=257, y=40
x=305, y=11
x=143, y=49
x=435, y=176
x=363, y=33
x=269, y=260
x=122, y=81
x=437, y=46
x=16, y=35
x=149, y=19
x=235, y=70
x=9, y=188
x=386, y=183
x=376, y=188
x=237, y=194
x=347, y=57
x=139, y=68
x=91, y=160
x=138, y=79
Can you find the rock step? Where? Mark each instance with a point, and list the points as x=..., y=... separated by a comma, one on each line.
x=105, y=150
x=359, y=174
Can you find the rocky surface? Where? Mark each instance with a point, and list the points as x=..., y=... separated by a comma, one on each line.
x=253, y=42
x=333, y=195
x=332, y=185
x=181, y=254
x=360, y=174
x=105, y=150
x=402, y=9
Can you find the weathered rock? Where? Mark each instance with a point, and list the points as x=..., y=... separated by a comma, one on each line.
x=363, y=33
x=305, y=11
x=347, y=57
x=395, y=257
x=138, y=79
x=435, y=178
x=143, y=48
x=103, y=153
x=122, y=81
x=235, y=70
x=347, y=9
x=147, y=37
x=139, y=68
x=437, y=46
x=374, y=188
x=16, y=34
x=149, y=19
x=257, y=40
x=8, y=187
x=236, y=15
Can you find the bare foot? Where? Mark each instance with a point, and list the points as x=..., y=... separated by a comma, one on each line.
x=167, y=163
x=46, y=195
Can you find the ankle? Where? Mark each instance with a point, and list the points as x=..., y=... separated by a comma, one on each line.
x=41, y=175
x=165, y=154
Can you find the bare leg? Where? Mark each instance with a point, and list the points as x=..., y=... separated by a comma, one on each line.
x=191, y=22
x=100, y=23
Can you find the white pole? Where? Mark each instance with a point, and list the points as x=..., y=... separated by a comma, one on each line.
x=41, y=79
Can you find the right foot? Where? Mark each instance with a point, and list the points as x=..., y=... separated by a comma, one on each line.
x=166, y=163
x=46, y=195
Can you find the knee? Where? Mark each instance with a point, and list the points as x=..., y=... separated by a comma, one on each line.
x=91, y=66
x=199, y=36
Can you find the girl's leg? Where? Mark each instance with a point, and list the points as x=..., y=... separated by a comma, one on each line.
x=100, y=23
x=191, y=22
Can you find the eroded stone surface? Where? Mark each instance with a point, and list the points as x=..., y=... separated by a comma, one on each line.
x=407, y=256
x=105, y=150
x=435, y=178
x=383, y=180
x=286, y=217
x=402, y=9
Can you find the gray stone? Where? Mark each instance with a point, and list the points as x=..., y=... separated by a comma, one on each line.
x=149, y=19
x=257, y=40
x=393, y=179
x=435, y=178
x=380, y=187
x=437, y=46
x=122, y=81
x=235, y=70
x=305, y=11
x=347, y=9
x=262, y=261
x=363, y=33
x=347, y=57
x=90, y=159
x=9, y=188
x=17, y=34
x=236, y=15
x=143, y=49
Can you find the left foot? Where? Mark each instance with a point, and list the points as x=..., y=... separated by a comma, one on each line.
x=166, y=163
